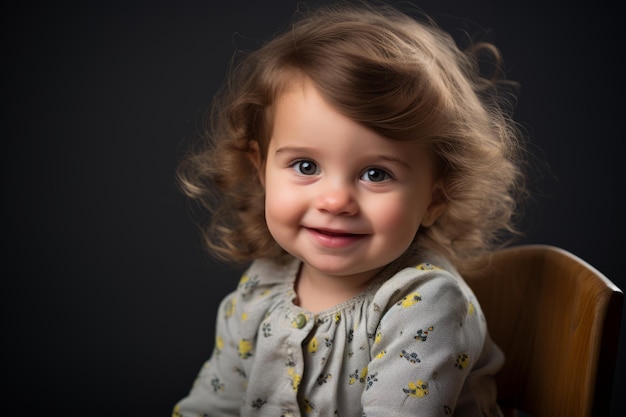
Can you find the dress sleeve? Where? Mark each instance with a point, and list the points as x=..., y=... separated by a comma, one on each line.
x=219, y=387
x=425, y=345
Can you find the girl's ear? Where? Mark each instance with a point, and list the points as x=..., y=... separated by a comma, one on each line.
x=255, y=157
x=438, y=205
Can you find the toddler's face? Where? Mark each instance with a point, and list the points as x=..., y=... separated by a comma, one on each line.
x=340, y=197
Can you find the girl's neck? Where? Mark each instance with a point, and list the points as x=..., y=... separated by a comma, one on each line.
x=318, y=292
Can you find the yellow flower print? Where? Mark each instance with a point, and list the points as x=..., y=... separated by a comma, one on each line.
x=462, y=361
x=428, y=267
x=417, y=389
x=219, y=344
x=245, y=348
x=243, y=280
x=312, y=347
x=379, y=335
x=471, y=309
x=244, y=316
x=363, y=375
x=381, y=354
x=176, y=411
x=410, y=300
x=356, y=376
x=295, y=378
x=338, y=317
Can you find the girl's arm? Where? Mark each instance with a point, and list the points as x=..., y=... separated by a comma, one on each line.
x=426, y=345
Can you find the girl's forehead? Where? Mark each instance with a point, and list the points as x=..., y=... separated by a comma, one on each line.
x=302, y=117
x=300, y=95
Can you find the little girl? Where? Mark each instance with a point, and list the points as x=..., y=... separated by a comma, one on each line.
x=360, y=163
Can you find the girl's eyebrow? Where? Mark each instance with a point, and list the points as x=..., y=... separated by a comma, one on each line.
x=294, y=149
x=309, y=151
x=297, y=151
x=394, y=160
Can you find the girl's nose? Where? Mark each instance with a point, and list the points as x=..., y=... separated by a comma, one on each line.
x=337, y=199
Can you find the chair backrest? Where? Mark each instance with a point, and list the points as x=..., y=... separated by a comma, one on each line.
x=557, y=319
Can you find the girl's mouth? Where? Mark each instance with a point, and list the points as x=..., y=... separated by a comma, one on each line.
x=335, y=238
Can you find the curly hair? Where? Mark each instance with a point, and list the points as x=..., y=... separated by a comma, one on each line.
x=402, y=77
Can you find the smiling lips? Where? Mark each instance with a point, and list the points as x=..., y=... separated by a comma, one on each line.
x=335, y=239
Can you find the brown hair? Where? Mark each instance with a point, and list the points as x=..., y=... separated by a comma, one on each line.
x=402, y=77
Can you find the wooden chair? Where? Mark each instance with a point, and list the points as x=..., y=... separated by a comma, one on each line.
x=557, y=319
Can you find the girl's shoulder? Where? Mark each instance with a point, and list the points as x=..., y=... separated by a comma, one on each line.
x=265, y=276
x=429, y=279
x=264, y=285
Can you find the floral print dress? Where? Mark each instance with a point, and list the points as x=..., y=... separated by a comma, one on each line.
x=413, y=344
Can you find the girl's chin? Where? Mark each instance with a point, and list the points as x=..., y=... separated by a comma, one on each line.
x=340, y=270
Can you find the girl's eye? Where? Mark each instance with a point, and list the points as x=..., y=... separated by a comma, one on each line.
x=375, y=175
x=305, y=167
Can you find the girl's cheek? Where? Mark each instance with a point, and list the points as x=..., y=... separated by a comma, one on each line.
x=282, y=201
x=397, y=214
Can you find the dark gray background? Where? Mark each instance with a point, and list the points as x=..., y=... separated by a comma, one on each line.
x=109, y=299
